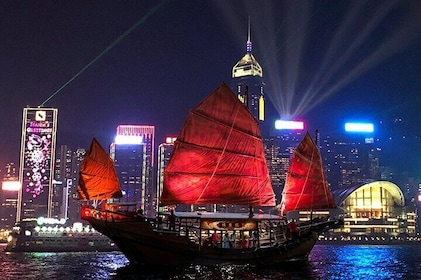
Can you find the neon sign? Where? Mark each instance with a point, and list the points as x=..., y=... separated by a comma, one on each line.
x=359, y=127
x=129, y=140
x=170, y=140
x=291, y=125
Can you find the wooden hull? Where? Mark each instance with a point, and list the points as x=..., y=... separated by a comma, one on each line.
x=146, y=244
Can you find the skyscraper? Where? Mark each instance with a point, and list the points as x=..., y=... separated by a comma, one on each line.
x=164, y=153
x=36, y=172
x=132, y=152
x=62, y=171
x=350, y=160
x=66, y=171
x=278, y=151
x=71, y=184
x=247, y=82
x=9, y=196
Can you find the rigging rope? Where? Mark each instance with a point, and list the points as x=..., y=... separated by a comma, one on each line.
x=222, y=153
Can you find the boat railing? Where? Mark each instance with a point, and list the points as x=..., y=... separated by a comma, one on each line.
x=270, y=233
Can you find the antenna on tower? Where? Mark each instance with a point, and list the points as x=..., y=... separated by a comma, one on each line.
x=249, y=46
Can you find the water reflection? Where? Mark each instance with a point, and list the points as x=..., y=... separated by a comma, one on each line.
x=89, y=265
x=293, y=270
x=361, y=262
x=325, y=262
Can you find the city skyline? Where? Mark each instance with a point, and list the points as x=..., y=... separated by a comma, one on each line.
x=180, y=52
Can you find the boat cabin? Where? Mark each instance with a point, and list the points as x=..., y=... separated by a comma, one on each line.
x=230, y=230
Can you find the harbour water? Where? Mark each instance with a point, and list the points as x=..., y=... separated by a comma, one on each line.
x=325, y=262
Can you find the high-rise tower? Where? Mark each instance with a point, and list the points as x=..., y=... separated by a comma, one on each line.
x=247, y=82
x=38, y=144
x=133, y=155
x=164, y=153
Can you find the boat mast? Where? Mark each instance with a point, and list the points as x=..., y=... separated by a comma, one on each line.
x=248, y=49
x=247, y=93
x=316, y=141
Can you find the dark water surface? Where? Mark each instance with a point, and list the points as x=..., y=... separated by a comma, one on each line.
x=325, y=262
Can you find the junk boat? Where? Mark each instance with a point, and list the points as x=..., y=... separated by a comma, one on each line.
x=218, y=158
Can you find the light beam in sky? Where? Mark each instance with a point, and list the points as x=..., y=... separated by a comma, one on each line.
x=303, y=70
x=326, y=81
x=106, y=50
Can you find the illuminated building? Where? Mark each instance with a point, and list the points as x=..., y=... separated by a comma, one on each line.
x=248, y=84
x=278, y=151
x=38, y=144
x=9, y=196
x=132, y=153
x=375, y=208
x=66, y=173
x=73, y=209
x=62, y=171
x=164, y=153
x=352, y=158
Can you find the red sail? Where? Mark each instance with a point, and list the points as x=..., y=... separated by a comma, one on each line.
x=306, y=187
x=218, y=157
x=97, y=177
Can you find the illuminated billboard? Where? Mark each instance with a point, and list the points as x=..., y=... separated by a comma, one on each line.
x=11, y=186
x=128, y=140
x=359, y=127
x=170, y=140
x=290, y=125
x=39, y=127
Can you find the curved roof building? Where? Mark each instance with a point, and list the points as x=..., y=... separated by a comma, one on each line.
x=377, y=199
x=377, y=207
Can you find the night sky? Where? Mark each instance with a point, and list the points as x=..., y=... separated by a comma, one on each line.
x=149, y=62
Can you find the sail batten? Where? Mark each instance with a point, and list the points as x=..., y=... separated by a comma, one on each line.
x=306, y=187
x=97, y=177
x=223, y=124
x=221, y=150
x=218, y=157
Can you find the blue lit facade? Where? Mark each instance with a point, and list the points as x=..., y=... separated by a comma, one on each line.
x=128, y=163
x=278, y=151
x=349, y=159
x=132, y=153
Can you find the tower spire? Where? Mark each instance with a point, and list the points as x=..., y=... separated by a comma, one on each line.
x=249, y=46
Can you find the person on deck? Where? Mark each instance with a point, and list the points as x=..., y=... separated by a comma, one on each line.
x=293, y=229
x=225, y=241
x=245, y=243
x=232, y=240
x=215, y=239
x=171, y=219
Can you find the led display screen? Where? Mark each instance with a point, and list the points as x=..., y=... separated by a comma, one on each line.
x=37, y=157
x=359, y=127
x=293, y=125
x=11, y=186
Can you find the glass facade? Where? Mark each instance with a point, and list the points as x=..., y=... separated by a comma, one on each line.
x=376, y=208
